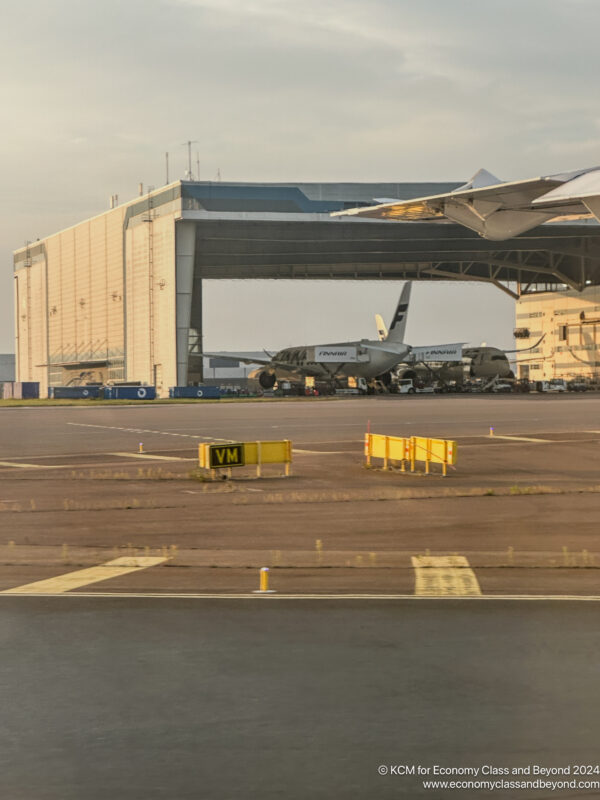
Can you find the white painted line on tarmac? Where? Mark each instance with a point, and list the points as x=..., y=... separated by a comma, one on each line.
x=145, y=430
x=437, y=576
x=276, y=596
x=83, y=577
x=322, y=452
x=153, y=457
x=521, y=439
x=29, y=466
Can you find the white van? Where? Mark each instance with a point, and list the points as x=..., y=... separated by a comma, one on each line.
x=557, y=385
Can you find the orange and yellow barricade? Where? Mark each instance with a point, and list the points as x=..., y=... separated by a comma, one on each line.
x=409, y=450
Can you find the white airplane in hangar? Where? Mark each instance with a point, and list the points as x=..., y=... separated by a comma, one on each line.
x=367, y=358
x=477, y=362
x=496, y=209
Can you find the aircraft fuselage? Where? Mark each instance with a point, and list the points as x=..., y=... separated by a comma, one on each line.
x=361, y=359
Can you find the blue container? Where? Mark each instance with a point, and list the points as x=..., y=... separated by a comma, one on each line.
x=129, y=392
x=31, y=389
x=199, y=392
x=73, y=392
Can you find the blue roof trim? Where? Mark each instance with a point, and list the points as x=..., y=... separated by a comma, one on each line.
x=217, y=197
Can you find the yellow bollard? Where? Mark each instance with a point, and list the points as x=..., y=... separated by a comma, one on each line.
x=319, y=549
x=264, y=579
x=141, y=447
x=491, y=431
x=264, y=582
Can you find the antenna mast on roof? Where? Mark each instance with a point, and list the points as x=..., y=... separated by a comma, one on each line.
x=189, y=174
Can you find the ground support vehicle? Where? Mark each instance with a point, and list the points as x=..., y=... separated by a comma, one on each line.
x=577, y=386
x=557, y=385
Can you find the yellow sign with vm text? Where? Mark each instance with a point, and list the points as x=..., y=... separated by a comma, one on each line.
x=226, y=455
x=239, y=454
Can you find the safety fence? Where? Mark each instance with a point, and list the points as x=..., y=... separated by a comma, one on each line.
x=226, y=456
x=409, y=451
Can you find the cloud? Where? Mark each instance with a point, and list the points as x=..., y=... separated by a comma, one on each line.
x=93, y=94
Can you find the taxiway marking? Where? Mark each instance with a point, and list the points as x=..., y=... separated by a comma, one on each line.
x=521, y=439
x=321, y=452
x=28, y=466
x=583, y=598
x=145, y=430
x=153, y=457
x=437, y=576
x=83, y=577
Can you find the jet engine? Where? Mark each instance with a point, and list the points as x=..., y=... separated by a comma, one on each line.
x=407, y=373
x=267, y=379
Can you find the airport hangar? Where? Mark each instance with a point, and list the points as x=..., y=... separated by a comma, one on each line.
x=118, y=297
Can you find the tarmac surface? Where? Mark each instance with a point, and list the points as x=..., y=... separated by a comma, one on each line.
x=138, y=662
x=519, y=511
x=142, y=698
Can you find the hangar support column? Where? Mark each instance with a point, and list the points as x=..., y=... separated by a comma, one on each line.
x=185, y=246
x=195, y=362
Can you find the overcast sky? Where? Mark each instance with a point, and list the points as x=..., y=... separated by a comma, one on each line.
x=94, y=93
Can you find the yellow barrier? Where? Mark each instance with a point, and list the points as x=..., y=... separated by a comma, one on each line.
x=240, y=454
x=411, y=450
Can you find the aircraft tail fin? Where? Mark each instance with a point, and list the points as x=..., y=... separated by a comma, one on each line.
x=398, y=325
x=382, y=331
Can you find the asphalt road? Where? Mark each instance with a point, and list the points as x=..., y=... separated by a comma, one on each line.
x=141, y=699
x=521, y=507
x=64, y=430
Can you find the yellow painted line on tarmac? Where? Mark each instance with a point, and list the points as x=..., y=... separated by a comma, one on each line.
x=581, y=598
x=151, y=456
x=83, y=577
x=437, y=576
x=521, y=439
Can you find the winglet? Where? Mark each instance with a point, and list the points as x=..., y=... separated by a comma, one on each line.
x=481, y=179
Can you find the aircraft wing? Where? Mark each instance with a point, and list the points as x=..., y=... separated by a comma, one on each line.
x=399, y=349
x=239, y=357
x=499, y=210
